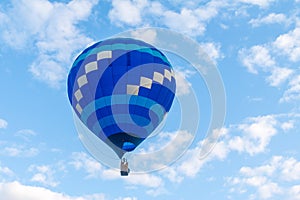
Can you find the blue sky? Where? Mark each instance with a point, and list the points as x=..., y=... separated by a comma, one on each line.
x=255, y=45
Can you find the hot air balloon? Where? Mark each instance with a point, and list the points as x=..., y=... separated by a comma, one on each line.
x=121, y=89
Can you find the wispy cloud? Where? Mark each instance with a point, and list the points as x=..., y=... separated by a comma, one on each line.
x=3, y=123
x=213, y=50
x=5, y=172
x=17, y=191
x=256, y=58
x=133, y=11
x=177, y=21
x=183, y=86
x=51, y=28
x=82, y=161
x=43, y=174
x=93, y=169
x=279, y=75
x=288, y=44
x=190, y=164
x=286, y=126
x=251, y=137
x=26, y=134
x=19, y=151
x=126, y=198
x=278, y=177
x=261, y=59
x=260, y=3
x=293, y=92
x=146, y=180
x=272, y=18
x=144, y=12
x=148, y=36
x=255, y=135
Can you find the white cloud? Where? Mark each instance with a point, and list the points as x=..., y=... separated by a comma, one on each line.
x=25, y=134
x=268, y=190
x=3, y=123
x=260, y=3
x=126, y=198
x=143, y=179
x=128, y=12
x=258, y=171
x=157, y=191
x=289, y=44
x=255, y=58
x=176, y=138
x=186, y=3
x=209, y=146
x=148, y=36
x=191, y=162
x=2, y=17
x=256, y=135
x=144, y=12
x=251, y=137
x=147, y=180
x=25, y=20
x=289, y=169
x=48, y=70
x=17, y=191
x=81, y=160
x=5, y=172
x=44, y=175
x=183, y=86
x=270, y=179
x=52, y=29
x=172, y=174
x=260, y=58
x=19, y=151
x=186, y=21
x=153, y=183
x=212, y=50
x=210, y=9
x=293, y=92
x=271, y=18
x=279, y=75
x=287, y=125
x=294, y=191
x=193, y=21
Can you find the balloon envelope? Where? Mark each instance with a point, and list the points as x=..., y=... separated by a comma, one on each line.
x=121, y=89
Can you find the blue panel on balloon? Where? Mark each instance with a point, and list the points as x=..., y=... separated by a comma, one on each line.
x=128, y=146
x=154, y=92
x=119, y=57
